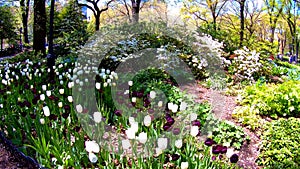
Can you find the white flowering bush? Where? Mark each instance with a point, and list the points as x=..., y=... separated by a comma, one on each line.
x=246, y=65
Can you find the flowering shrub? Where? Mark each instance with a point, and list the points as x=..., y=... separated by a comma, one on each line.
x=246, y=65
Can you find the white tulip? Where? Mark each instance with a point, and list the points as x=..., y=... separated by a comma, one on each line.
x=44, y=87
x=42, y=97
x=130, y=133
x=61, y=91
x=142, y=137
x=42, y=121
x=60, y=104
x=70, y=99
x=133, y=99
x=162, y=143
x=48, y=93
x=147, y=120
x=194, y=131
x=130, y=83
x=92, y=146
x=46, y=111
x=152, y=94
x=97, y=117
x=160, y=103
x=183, y=106
x=184, y=165
x=193, y=116
x=98, y=85
x=93, y=158
x=178, y=143
x=126, y=144
x=79, y=108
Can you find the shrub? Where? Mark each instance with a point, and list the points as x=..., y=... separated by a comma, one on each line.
x=246, y=65
x=280, y=146
x=274, y=100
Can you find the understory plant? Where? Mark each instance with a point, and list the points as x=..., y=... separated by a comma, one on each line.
x=280, y=144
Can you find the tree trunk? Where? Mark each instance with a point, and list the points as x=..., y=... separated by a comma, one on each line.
x=25, y=11
x=242, y=8
x=136, y=10
x=39, y=27
x=97, y=22
x=272, y=34
x=215, y=23
x=1, y=44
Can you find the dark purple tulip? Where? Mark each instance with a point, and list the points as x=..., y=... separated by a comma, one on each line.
x=27, y=103
x=209, y=142
x=118, y=113
x=65, y=115
x=53, y=117
x=175, y=157
x=134, y=94
x=216, y=149
x=23, y=113
x=67, y=108
x=166, y=127
x=213, y=158
x=146, y=102
x=220, y=156
x=196, y=123
x=170, y=121
x=151, y=111
x=51, y=97
x=224, y=150
x=26, y=86
x=34, y=91
x=33, y=116
x=176, y=131
x=234, y=158
x=140, y=94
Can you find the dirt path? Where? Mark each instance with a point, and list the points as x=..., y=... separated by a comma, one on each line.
x=223, y=107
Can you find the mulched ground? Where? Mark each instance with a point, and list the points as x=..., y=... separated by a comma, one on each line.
x=11, y=158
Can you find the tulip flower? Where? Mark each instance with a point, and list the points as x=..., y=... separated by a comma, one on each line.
x=184, y=165
x=178, y=143
x=46, y=111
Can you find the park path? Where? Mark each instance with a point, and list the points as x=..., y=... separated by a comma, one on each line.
x=223, y=106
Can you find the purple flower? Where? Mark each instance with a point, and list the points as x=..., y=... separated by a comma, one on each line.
x=140, y=94
x=175, y=157
x=150, y=111
x=224, y=150
x=220, y=156
x=213, y=158
x=234, y=158
x=216, y=149
x=176, y=131
x=166, y=127
x=196, y=123
x=209, y=142
x=118, y=113
x=170, y=120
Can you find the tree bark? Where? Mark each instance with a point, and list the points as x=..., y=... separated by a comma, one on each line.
x=39, y=27
x=242, y=8
x=25, y=11
x=136, y=10
x=97, y=22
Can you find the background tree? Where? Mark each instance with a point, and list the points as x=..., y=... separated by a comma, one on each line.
x=7, y=23
x=71, y=31
x=93, y=5
x=274, y=9
x=39, y=27
x=24, y=6
x=201, y=9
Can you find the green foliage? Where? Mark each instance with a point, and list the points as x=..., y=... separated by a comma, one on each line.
x=228, y=38
x=70, y=29
x=274, y=100
x=280, y=146
x=7, y=24
x=225, y=133
x=265, y=48
x=248, y=116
